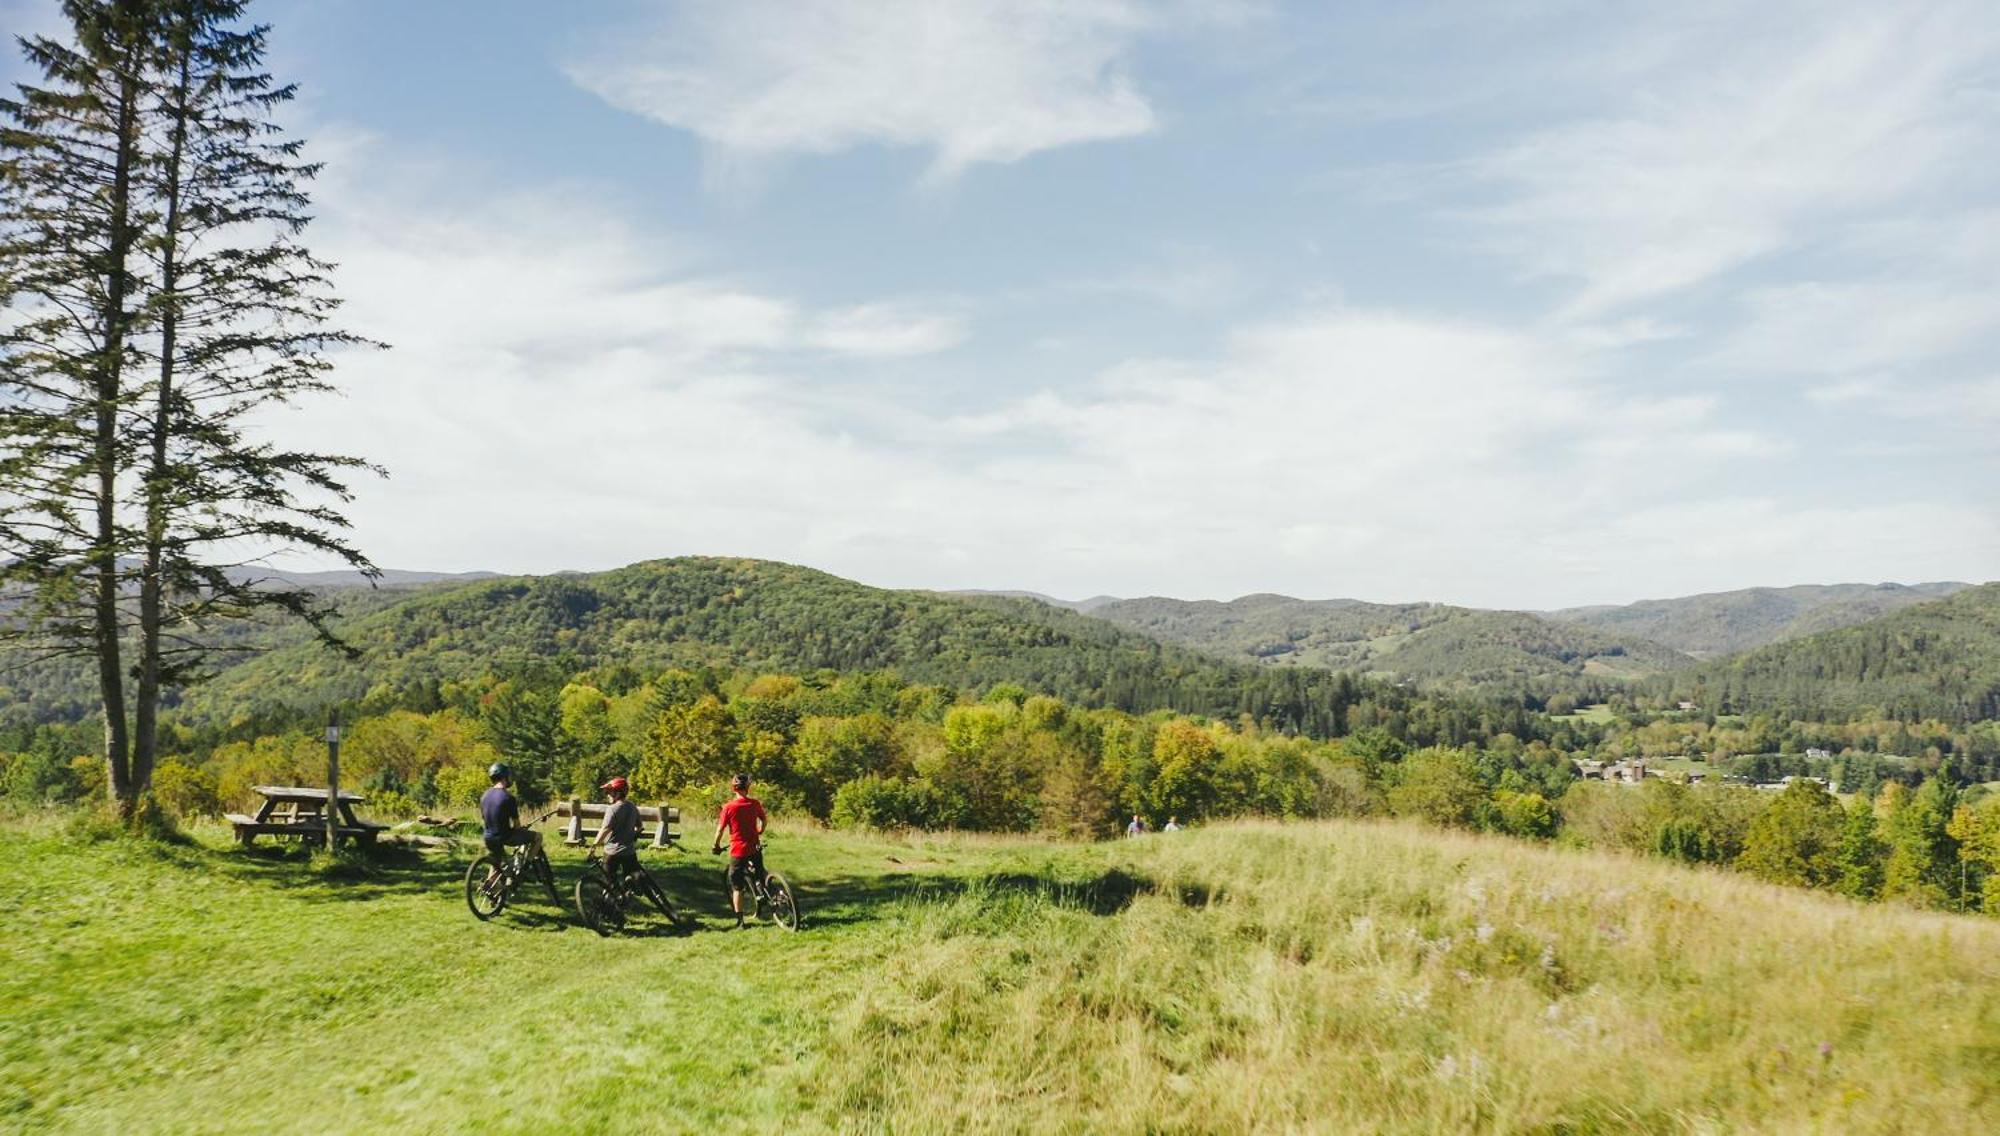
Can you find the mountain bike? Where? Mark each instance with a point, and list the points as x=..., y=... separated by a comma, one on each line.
x=603, y=902
x=490, y=882
x=771, y=895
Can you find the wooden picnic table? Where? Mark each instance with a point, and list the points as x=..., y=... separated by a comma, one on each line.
x=300, y=811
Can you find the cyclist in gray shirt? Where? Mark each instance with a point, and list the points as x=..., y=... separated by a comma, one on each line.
x=620, y=834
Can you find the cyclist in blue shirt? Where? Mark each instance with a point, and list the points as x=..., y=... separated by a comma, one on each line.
x=501, y=812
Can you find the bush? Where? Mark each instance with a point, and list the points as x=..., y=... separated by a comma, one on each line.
x=41, y=775
x=1524, y=814
x=885, y=802
x=1441, y=786
x=459, y=786
x=390, y=804
x=185, y=791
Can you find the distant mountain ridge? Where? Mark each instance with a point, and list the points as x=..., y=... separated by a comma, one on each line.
x=1723, y=623
x=1938, y=659
x=1433, y=643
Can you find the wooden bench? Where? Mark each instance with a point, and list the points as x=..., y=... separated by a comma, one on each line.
x=583, y=820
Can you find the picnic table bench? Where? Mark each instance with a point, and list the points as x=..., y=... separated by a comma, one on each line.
x=584, y=819
x=300, y=811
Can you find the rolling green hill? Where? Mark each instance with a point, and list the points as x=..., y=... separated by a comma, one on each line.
x=1433, y=643
x=1338, y=977
x=1723, y=623
x=1934, y=660
x=747, y=614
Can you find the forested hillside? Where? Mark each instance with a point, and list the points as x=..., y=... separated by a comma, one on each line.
x=754, y=615
x=1430, y=643
x=1723, y=623
x=1938, y=660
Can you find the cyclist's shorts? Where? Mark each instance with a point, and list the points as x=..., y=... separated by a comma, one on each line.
x=497, y=846
x=619, y=865
x=740, y=866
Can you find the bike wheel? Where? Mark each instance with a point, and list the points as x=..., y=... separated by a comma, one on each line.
x=485, y=897
x=784, y=905
x=595, y=906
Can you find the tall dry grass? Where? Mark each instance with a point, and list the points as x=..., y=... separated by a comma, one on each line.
x=1348, y=977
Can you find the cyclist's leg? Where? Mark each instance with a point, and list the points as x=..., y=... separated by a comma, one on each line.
x=739, y=881
x=496, y=850
x=624, y=868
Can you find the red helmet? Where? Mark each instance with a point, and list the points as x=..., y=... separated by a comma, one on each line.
x=616, y=785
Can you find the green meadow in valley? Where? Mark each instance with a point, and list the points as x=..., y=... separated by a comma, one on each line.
x=1258, y=976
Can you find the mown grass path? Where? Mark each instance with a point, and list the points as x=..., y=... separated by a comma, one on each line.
x=1334, y=977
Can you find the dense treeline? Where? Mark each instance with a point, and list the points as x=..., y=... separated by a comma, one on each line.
x=872, y=749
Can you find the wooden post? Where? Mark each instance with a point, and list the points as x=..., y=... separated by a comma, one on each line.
x=332, y=777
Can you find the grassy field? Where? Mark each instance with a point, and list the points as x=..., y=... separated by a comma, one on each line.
x=1596, y=712
x=1334, y=977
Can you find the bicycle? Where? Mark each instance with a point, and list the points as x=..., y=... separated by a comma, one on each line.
x=769, y=893
x=490, y=882
x=603, y=902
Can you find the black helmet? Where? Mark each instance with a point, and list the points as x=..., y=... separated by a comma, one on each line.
x=499, y=771
x=740, y=782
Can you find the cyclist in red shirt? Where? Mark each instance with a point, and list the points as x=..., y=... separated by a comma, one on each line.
x=743, y=818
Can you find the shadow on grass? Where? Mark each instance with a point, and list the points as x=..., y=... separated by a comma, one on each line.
x=696, y=886
x=852, y=899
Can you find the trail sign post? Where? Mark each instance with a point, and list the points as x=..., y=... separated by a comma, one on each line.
x=332, y=775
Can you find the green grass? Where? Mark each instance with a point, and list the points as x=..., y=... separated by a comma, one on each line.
x=1596, y=712
x=1250, y=978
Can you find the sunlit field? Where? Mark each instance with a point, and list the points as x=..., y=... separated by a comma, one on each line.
x=1257, y=977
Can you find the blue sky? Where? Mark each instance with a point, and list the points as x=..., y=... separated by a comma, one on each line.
x=1571, y=303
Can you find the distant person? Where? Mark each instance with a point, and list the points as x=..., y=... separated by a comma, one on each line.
x=501, y=813
x=1137, y=827
x=620, y=834
x=1173, y=825
x=744, y=819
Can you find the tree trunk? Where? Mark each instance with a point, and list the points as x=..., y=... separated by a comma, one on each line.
x=110, y=374
x=146, y=739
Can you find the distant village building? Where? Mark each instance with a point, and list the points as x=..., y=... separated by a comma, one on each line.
x=1685, y=705
x=1620, y=772
x=1811, y=752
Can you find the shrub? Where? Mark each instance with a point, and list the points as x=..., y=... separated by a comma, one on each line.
x=42, y=775
x=388, y=803
x=1441, y=786
x=889, y=802
x=185, y=791
x=1524, y=814
x=459, y=786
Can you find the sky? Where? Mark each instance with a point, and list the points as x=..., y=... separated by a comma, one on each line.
x=1559, y=304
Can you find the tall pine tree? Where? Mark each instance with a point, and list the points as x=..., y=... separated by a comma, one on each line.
x=154, y=297
x=242, y=309
x=72, y=156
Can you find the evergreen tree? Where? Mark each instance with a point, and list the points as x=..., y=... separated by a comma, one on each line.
x=149, y=213
x=241, y=310
x=72, y=217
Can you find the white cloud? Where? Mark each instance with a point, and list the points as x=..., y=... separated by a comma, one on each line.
x=1828, y=329
x=1739, y=145
x=973, y=81
x=887, y=329
x=552, y=403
